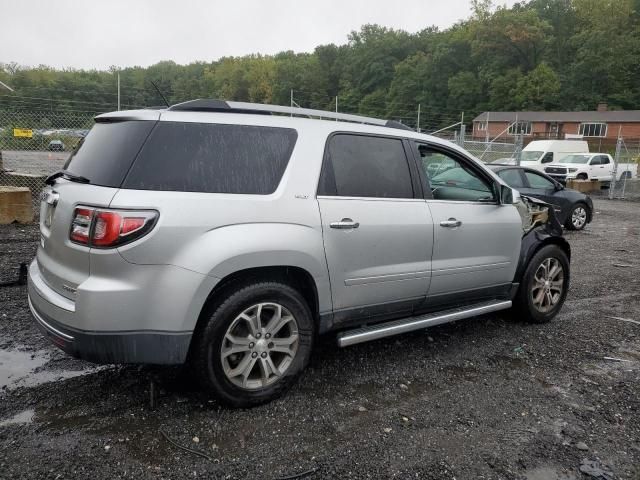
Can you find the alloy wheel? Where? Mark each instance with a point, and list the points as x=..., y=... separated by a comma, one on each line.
x=579, y=217
x=259, y=346
x=548, y=285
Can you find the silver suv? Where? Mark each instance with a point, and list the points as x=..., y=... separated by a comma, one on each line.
x=230, y=235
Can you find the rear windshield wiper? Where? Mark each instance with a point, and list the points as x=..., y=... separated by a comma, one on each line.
x=51, y=179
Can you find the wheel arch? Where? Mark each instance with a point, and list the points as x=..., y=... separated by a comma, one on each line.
x=532, y=243
x=293, y=276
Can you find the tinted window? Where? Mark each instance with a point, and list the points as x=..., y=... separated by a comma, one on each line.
x=451, y=178
x=199, y=157
x=604, y=160
x=363, y=166
x=595, y=161
x=548, y=157
x=512, y=177
x=105, y=155
x=538, y=181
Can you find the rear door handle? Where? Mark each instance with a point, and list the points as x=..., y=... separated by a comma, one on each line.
x=344, y=224
x=451, y=223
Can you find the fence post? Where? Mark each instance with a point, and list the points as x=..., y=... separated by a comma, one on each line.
x=518, y=149
x=461, y=137
x=616, y=160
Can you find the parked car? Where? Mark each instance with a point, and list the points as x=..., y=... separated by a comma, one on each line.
x=538, y=153
x=590, y=166
x=230, y=235
x=574, y=209
x=56, y=146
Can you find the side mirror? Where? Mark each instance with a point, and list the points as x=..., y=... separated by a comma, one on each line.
x=559, y=187
x=508, y=195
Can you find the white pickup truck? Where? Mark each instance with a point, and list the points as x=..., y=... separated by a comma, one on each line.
x=590, y=166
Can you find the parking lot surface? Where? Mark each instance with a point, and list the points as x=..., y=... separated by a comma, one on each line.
x=486, y=398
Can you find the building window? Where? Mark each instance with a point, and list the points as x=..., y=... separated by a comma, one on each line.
x=520, y=128
x=593, y=129
x=481, y=126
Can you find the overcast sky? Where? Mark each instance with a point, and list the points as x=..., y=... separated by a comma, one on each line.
x=101, y=33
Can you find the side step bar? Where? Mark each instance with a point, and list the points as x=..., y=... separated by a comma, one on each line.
x=404, y=325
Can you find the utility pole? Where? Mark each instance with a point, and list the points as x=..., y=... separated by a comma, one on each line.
x=118, y=91
x=418, y=124
x=336, y=106
x=291, y=102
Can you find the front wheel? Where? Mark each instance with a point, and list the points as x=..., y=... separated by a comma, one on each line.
x=254, y=345
x=544, y=286
x=577, y=218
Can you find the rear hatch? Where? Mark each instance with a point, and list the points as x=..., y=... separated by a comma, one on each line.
x=95, y=172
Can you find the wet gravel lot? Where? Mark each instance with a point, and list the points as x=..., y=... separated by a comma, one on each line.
x=481, y=398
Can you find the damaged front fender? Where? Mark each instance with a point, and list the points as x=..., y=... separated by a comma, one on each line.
x=535, y=213
x=541, y=227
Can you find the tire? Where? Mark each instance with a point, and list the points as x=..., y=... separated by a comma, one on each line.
x=240, y=373
x=582, y=176
x=578, y=216
x=525, y=306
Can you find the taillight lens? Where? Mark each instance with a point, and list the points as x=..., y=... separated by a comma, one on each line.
x=81, y=225
x=102, y=228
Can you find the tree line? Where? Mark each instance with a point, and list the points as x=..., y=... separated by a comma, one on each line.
x=536, y=55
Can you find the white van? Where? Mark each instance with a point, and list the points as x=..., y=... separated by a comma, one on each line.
x=540, y=152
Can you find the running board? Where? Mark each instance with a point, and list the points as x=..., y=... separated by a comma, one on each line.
x=404, y=325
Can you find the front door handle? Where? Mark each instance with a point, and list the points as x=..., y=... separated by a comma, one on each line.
x=344, y=224
x=451, y=223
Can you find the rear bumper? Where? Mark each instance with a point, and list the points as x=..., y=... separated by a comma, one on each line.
x=53, y=314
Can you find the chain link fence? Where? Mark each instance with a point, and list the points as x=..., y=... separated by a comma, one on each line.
x=33, y=145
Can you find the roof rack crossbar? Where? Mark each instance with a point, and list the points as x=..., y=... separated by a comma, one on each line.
x=261, y=108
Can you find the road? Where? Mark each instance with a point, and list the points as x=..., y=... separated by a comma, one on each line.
x=484, y=398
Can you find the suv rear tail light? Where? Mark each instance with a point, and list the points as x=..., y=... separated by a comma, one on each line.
x=101, y=228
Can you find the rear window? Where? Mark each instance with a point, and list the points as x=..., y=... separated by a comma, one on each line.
x=214, y=158
x=105, y=155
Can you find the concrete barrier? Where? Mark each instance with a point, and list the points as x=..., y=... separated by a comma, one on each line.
x=16, y=205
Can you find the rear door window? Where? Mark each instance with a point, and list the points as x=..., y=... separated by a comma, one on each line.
x=105, y=155
x=365, y=166
x=213, y=158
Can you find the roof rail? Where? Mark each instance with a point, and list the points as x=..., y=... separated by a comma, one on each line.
x=210, y=105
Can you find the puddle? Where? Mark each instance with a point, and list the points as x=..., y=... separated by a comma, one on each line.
x=19, y=419
x=24, y=369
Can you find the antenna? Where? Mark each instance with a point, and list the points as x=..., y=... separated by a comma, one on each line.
x=160, y=93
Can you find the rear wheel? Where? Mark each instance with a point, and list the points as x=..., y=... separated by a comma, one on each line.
x=577, y=218
x=582, y=176
x=254, y=345
x=544, y=286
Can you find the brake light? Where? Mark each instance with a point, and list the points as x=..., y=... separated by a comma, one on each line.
x=110, y=228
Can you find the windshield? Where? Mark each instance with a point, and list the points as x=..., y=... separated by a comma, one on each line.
x=576, y=159
x=530, y=156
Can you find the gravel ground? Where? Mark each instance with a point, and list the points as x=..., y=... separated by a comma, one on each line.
x=482, y=398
